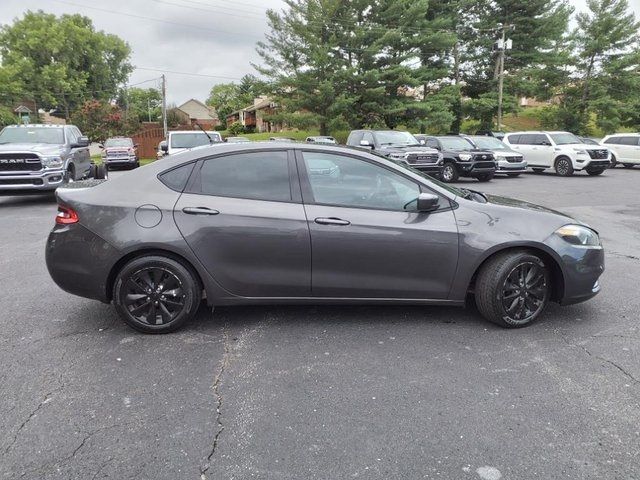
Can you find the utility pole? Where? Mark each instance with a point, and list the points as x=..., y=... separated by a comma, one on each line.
x=502, y=45
x=164, y=105
x=149, y=109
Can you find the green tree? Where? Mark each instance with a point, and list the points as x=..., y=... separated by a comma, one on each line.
x=143, y=103
x=100, y=120
x=63, y=61
x=608, y=65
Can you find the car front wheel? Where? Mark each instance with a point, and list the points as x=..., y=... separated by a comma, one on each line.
x=594, y=172
x=156, y=294
x=485, y=177
x=513, y=288
x=449, y=172
x=564, y=168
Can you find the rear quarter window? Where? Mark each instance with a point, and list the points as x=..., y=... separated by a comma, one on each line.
x=176, y=178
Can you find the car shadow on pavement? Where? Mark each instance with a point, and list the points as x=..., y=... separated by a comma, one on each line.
x=27, y=200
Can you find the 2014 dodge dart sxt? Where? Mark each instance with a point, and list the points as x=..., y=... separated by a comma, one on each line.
x=297, y=223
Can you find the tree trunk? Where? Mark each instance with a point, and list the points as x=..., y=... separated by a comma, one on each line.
x=323, y=128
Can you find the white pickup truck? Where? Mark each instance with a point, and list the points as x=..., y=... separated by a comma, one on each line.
x=181, y=140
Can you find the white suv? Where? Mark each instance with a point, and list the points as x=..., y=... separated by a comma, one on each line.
x=562, y=151
x=625, y=148
x=181, y=140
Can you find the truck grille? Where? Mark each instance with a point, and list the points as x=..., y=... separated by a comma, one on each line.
x=600, y=154
x=19, y=162
x=422, y=158
x=483, y=157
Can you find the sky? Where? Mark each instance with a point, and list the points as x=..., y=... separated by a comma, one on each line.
x=196, y=43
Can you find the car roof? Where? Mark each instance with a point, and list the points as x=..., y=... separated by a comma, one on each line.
x=39, y=125
x=623, y=135
x=192, y=131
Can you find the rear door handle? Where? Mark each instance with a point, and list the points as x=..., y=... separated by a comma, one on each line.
x=200, y=211
x=331, y=221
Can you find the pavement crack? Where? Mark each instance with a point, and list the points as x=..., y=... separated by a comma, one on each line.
x=623, y=255
x=602, y=359
x=33, y=413
x=224, y=364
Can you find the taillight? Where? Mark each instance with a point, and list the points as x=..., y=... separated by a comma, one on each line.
x=66, y=216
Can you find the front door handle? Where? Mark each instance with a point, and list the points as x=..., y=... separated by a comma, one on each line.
x=200, y=211
x=331, y=221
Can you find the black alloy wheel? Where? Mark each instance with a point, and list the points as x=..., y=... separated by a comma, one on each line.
x=524, y=292
x=513, y=288
x=156, y=294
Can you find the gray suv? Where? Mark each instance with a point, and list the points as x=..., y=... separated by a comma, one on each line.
x=40, y=158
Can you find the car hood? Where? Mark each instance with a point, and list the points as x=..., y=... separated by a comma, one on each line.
x=471, y=150
x=531, y=207
x=407, y=149
x=503, y=153
x=42, y=148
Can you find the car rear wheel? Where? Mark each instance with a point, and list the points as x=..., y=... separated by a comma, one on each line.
x=564, y=168
x=100, y=172
x=156, y=294
x=449, y=172
x=513, y=288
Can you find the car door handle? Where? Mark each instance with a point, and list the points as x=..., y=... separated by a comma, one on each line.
x=331, y=221
x=200, y=211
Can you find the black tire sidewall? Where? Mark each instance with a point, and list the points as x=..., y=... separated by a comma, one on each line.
x=569, y=171
x=190, y=286
x=491, y=281
x=454, y=172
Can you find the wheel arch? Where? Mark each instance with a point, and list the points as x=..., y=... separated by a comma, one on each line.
x=545, y=254
x=111, y=278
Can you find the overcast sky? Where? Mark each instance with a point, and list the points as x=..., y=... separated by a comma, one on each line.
x=211, y=40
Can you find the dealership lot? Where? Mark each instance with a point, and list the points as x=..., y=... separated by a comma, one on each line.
x=326, y=392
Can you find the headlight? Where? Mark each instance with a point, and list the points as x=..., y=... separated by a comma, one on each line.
x=580, y=151
x=52, y=162
x=500, y=158
x=579, y=235
x=465, y=157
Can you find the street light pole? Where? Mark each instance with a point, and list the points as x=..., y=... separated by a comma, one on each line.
x=503, y=45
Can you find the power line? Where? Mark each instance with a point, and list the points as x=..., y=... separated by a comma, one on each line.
x=193, y=74
x=219, y=11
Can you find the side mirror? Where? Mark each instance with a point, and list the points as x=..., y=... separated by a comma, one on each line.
x=365, y=143
x=100, y=145
x=164, y=147
x=82, y=142
x=427, y=202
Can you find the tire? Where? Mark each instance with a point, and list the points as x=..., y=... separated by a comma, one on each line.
x=485, y=177
x=100, y=172
x=513, y=175
x=538, y=170
x=593, y=173
x=614, y=161
x=69, y=175
x=501, y=297
x=563, y=166
x=449, y=172
x=158, y=288
x=628, y=165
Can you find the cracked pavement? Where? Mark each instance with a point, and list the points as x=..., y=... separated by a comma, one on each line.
x=325, y=392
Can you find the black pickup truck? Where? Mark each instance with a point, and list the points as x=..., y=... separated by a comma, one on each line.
x=461, y=158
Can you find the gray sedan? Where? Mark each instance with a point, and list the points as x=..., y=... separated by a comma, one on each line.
x=295, y=223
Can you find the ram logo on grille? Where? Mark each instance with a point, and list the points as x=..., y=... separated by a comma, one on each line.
x=5, y=161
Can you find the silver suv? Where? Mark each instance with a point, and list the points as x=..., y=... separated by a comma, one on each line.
x=35, y=158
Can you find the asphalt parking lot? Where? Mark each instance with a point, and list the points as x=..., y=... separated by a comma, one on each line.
x=326, y=392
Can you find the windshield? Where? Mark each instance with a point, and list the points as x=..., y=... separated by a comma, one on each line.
x=32, y=135
x=564, y=138
x=190, y=140
x=490, y=143
x=118, y=142
x=390, y=137
x=455, y=143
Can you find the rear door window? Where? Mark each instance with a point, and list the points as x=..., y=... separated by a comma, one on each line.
x=253, y=175
x=632, y=141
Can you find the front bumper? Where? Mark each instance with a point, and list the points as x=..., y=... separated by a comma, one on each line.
x=581, y=269
x=119, y=160
x=510, y=167
x=42, y=180
x=433, y=169
x=473, y=169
